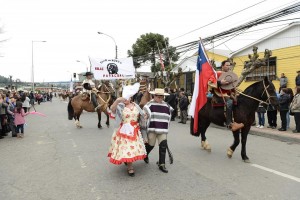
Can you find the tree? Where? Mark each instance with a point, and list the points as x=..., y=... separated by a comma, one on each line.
x=145, y=49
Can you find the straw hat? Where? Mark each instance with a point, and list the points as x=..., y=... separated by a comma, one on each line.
x=159, y=91
x=230, y=77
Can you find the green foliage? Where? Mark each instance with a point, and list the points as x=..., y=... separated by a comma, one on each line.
x=4, y=80
x=145, y=50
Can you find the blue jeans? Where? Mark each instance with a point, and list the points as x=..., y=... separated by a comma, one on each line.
x=288, y=119
x=261, y=118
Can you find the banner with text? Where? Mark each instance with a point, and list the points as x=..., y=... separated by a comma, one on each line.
x=112, y=68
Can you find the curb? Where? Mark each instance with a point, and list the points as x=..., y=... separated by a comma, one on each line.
x=280, y=137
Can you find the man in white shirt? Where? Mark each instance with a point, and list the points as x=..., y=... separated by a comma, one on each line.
x=89, y=87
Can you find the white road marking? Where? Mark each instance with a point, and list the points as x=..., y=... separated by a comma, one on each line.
x=81, y=162
x=277, y=172
x=73, y=143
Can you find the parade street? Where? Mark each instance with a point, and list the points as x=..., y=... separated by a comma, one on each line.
x=57, y=161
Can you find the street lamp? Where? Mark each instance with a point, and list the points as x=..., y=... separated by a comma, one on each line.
x=32, y=69
x=84, y=64
x=116, y=47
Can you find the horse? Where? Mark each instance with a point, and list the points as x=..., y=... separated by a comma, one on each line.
x=79, y=103
x=244, y=112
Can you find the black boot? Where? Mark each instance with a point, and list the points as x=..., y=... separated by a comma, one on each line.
x=148, y=150
x=228, y=113
x=162, y=156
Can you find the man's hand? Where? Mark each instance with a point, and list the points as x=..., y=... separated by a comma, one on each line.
x=224, y=82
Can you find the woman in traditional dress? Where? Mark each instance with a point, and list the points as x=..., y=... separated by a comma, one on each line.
x=127, y=144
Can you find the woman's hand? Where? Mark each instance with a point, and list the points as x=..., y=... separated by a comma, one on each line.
x=146, y=116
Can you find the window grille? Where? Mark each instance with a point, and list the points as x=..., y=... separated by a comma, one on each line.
x=260, y=73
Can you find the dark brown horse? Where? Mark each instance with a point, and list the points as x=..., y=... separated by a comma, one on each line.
x=80, y=102
x=243, y=112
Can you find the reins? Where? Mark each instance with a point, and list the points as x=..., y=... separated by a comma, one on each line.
x=267, y=102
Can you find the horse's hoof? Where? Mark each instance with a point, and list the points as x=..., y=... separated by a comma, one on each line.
x=229, y=153
x=100, y=127
x=206, y=146
x=247, y=161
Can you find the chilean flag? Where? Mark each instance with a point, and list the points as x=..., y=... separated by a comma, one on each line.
x=204, y=71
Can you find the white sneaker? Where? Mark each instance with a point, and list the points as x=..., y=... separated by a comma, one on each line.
x=257, y=126
x=261, y=127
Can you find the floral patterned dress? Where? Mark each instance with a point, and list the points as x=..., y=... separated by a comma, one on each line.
x=127, y=144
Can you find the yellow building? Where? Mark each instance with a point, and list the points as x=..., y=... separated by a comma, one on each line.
x=285, y=47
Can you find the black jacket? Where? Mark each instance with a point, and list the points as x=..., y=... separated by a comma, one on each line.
x=284, y=102
x=183, y=103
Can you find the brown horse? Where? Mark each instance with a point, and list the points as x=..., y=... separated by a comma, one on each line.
x=80, y=102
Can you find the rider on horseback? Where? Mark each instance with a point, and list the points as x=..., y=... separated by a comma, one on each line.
x=89, y=87
x=227, y=93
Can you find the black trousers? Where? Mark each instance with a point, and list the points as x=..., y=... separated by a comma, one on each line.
x=283, y=118
x=272, y=118
x=297, y=121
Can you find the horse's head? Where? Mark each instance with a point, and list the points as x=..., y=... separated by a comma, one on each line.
x=269, y=94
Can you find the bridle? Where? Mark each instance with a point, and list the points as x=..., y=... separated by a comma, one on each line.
x=105, y=92
x=267, y=102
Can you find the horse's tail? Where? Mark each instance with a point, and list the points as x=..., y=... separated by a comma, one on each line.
x=70, y=111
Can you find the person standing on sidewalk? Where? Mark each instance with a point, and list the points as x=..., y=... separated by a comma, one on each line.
x=297, y=79
x=19, y=119
x=272, y=116
x=261, y=116
x=283, y=82
x=284, y=102
x=11, y=115
x=291, y=95
x=295, y=108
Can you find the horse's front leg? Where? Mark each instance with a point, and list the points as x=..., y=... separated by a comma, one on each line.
x=107, y=119
x=99, y=119
x=204, y=143
x=245, y=132
x=76, y=117
x=236, y=142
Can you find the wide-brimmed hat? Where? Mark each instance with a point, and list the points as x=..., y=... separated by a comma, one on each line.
x=230, y=77
x=159, y=91
x=88, y=73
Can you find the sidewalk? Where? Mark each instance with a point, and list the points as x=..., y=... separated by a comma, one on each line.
x=285, y=136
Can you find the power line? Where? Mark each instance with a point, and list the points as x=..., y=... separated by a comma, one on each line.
x=277, y=14
x=218, y=20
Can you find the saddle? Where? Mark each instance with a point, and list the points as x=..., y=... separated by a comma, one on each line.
x=217, y=101
x=85, y=96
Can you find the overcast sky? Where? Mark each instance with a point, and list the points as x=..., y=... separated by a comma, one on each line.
x=70, y=28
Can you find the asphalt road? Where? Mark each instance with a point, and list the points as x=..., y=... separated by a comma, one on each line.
x=55, y=160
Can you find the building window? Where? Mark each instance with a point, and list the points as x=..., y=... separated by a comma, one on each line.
x=260, y=73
